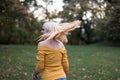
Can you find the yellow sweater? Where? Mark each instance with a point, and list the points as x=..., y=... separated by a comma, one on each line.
x=52, y=63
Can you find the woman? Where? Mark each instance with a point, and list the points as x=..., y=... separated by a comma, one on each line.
x=52, y=61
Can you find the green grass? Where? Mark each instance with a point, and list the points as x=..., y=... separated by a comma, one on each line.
x=92, y=62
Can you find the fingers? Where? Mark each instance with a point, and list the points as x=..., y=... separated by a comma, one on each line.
x=35, y=76
x=66, y=73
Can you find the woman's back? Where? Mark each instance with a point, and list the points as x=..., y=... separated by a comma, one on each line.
x=54, y=59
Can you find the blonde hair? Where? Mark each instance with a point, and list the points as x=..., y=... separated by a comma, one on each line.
x=58, y=31
x=52, y=28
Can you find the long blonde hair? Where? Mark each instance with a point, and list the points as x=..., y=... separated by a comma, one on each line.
x=58, y=31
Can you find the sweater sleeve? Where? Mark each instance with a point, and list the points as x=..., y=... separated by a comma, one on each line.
x=40, y=60
x=65, y=62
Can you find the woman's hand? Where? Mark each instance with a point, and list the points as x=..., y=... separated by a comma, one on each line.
x=67, y=73
x=35, y=75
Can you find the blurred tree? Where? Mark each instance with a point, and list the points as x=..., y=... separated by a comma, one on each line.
x=112, y=26
x=45, y=7
x=15, y=21
x=88, y=11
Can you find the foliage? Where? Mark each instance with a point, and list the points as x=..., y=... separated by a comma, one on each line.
x=93, y=62
x=77, y=9
x=17, y=25
x=112, y=26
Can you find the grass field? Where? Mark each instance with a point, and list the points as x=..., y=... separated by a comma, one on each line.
x=92, y=62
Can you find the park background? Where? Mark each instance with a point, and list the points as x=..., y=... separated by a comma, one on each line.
x=93, y=49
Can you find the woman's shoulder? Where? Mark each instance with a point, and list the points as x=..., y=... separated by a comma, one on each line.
x=58, y=45
x=42, y=43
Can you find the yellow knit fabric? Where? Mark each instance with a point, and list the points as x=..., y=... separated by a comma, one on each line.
x=52, y=63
